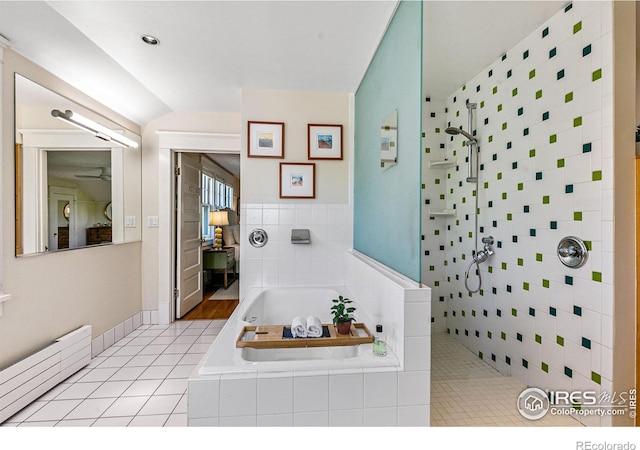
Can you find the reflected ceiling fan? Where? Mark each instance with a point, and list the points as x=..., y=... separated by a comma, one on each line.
x=105, y=174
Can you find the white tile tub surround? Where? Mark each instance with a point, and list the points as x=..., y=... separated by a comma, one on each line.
x=372, y=396
x=281, y=263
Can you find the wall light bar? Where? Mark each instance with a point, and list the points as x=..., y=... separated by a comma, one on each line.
x=94, y=128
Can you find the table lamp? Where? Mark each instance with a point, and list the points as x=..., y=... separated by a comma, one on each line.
x=218, y=218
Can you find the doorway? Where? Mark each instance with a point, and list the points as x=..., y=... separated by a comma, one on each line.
x=205, y=182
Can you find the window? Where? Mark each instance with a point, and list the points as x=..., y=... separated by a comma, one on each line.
x=207, y=205
x=220, y=197
x=216, y=194
x=229, y=196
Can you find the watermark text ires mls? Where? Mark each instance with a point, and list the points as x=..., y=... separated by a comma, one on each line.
x=534, y=403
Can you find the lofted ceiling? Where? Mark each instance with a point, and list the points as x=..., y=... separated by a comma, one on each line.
x=462, y=38
x=210, y=50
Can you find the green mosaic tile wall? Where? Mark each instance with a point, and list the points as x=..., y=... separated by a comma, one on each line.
x=544, y=126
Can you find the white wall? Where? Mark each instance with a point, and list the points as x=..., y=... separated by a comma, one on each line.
x=188, y=121
x=329, y=216
x=296, y=110
x=53, y=294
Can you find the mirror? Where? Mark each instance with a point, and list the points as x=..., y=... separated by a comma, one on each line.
x=74, y=188
x=389, y=141
x=107, y=211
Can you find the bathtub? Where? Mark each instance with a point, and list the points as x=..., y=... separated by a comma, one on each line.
x=278, y=306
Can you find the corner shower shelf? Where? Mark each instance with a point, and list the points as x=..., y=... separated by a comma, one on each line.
x=442, y=212
x=442, y=164
x=272, y=336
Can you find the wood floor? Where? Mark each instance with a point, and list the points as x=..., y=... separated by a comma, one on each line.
x=211, y=309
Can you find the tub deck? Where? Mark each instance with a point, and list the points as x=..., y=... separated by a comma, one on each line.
x=272, y=336
x=274, y=306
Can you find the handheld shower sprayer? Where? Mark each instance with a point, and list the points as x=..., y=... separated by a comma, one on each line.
x=455, y=131
x=479, y=257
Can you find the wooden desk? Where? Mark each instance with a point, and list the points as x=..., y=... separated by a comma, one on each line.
x=98, y=235
x=220, y=261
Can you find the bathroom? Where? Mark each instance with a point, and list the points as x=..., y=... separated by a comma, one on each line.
x=523, y=276
x=530, y=149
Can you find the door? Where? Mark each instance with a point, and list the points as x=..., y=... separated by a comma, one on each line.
x=61, y=229
x=188, y=234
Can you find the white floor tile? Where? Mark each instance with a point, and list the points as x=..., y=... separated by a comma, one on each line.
x=168, y=360
x=155, y=373
x=153, y=349
x=76, y=423
x=115, y=361
x=141, y=341
x=172, y=386
x=126, y=406
x=110, y=389
x=149, y=421
x=26, y=412
x=182, y=371
x=141, y=380
x=160, y=404
x=128, y=350
x=90, y=408
x=177, y=348
x=112, y=421
x=142, y=387
x=79, y=390
x=164, y=340
x=49, y=423
x=142, y=361
x=54, y=410
x=199, y=348
x=56, y=391
x=98, y=374
x=177, y=420
x=191, y=358
x=127, y=373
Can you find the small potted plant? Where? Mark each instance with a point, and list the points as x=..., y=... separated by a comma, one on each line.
x=342, y=314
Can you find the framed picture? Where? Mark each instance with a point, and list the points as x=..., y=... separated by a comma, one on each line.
x=297, y=180
x=266, y=140
x=324, y=141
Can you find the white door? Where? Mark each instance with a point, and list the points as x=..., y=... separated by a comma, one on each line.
x=57, y=220
x=188, y=234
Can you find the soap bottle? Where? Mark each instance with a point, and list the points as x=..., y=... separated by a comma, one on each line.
x=379, y=342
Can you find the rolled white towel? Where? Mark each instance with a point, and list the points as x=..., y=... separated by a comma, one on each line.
x=298, y=327
x=314, y=327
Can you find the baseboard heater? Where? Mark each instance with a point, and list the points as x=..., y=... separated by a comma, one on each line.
x=29, y=378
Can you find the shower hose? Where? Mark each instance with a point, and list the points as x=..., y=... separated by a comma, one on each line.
x=466, y=276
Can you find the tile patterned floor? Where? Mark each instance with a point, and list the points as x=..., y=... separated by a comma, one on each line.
x=466, y=391
x=139, y=381
x=142, y=381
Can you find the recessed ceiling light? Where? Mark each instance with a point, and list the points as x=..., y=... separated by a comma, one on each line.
x=151, y=40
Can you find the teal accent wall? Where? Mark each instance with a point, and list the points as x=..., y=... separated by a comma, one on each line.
x=387, y=206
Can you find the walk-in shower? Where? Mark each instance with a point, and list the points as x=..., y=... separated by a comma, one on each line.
x=479, y=256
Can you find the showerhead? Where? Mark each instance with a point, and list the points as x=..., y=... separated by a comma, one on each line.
x=455, y=131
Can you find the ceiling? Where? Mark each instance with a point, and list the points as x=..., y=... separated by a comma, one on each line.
x=462, y=38
x=83, y=169
x=210, y=50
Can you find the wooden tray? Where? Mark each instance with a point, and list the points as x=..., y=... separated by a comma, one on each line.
x=270, y=336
